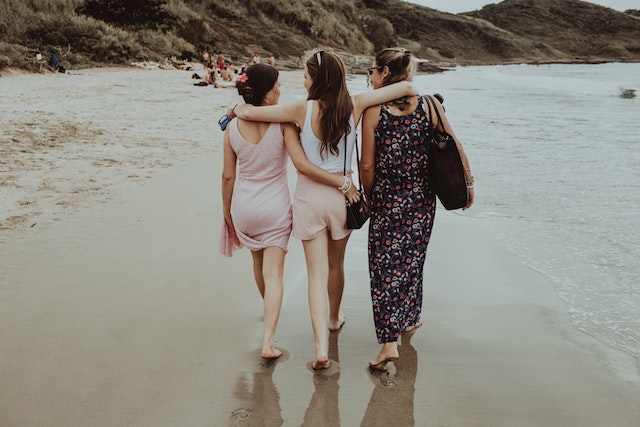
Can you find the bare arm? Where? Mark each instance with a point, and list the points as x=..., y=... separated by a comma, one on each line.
x=305, y=167
x=463, y=156
x=368, y=162
x=364, y=100
x=293, y=112
x=228, y=178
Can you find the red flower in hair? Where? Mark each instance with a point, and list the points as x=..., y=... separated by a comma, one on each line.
x=243, y=78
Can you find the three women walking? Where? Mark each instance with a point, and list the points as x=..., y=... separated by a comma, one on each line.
x=393, y=169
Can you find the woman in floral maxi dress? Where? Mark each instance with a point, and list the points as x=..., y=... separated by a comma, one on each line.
x=394, y=173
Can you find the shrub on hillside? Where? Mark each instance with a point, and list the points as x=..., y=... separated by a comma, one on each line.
x=129, y=13
x=98, y=41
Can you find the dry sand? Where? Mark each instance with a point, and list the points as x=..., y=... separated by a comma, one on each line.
x=117, y=310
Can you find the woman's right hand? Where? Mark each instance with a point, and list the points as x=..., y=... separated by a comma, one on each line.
x=228, y=220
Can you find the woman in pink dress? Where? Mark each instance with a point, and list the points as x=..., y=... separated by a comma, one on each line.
x=255, y=192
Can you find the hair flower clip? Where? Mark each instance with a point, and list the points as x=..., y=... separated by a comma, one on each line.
x=243, y=78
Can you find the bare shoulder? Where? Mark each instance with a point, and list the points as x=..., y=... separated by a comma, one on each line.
x=371, y=115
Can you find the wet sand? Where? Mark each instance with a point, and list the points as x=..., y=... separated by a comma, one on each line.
x=118, y=310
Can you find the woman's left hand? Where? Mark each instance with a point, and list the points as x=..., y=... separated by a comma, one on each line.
x=353, y=195
x=471, y=197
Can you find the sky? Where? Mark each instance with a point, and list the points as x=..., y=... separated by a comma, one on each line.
x=457, y=6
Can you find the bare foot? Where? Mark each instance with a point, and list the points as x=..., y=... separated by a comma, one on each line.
x=334, y=327
x=389, y=353
x=414, y=327
x=321, y=364
x=270, y=353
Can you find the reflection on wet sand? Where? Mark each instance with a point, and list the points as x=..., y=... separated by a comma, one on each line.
x=261, y=395
x=323, y=408
x=391, y=402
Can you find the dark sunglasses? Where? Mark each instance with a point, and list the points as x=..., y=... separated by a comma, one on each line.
x=370, y=70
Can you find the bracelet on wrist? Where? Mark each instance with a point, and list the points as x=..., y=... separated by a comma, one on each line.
x=349, y=187
x=344, y=183
x=346, y=186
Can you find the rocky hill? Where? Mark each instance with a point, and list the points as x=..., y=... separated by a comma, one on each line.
x=104, y=32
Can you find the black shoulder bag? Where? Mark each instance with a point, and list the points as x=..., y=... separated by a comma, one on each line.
x=445, y=169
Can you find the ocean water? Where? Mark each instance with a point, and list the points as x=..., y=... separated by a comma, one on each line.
x=555, y=152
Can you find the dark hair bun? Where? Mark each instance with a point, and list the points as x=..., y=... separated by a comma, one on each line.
x=255, y=82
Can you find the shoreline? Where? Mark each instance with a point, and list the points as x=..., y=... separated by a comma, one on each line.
x=424, y=66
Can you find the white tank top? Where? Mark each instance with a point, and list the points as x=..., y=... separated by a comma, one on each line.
x=311, y=146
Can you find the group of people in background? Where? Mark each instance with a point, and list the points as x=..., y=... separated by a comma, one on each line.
x=217, y=68
x=319, y=135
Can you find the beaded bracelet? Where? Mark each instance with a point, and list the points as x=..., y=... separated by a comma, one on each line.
x=470, y=183
x=346, y=186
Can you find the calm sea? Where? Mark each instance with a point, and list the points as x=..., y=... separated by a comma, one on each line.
x=556, y=156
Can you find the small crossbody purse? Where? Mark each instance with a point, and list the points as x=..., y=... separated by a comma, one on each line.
x=358, y=212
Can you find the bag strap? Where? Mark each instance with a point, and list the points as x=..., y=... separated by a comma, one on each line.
x=357, y=163
x=430, y=104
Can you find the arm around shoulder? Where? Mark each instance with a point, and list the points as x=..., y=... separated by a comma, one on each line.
x=279, y=113
x=364, y=100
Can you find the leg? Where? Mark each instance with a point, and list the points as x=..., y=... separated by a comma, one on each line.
x=337, y=249
x=315, y=252
x=257, y=270
x=272, y=272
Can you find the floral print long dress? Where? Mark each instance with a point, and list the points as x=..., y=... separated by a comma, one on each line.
x=402, y=213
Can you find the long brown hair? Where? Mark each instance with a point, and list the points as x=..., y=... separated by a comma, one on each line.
x=329, y=87
x=401, y=68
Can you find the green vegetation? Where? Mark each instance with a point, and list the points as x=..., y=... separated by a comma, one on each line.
x=98, y=32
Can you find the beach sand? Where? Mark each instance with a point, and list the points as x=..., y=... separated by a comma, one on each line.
x=116, y=308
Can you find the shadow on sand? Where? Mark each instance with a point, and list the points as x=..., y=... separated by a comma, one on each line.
x=391, y=402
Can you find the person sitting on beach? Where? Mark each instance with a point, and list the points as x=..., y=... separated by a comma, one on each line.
x=212, y=77
x=394, y=175
x=272, y=60
x=225, y=75
x=327, y=122
x=53, y=61
x=255, y=190
x=230, y=67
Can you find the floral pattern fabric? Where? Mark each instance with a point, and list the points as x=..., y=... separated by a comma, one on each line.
x=402, y=213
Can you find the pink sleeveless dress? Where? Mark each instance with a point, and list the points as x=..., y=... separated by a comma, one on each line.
x=261, y=204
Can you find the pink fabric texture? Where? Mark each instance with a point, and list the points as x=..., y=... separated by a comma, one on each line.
x=261, y=203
